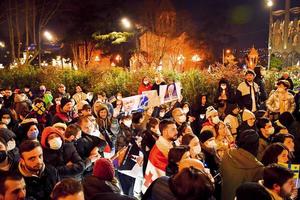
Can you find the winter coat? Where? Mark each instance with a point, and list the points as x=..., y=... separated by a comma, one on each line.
x=93, y=185
x=156, y=86
x=148, y=141
x=80, y=96
x=143, y=88
x=61, y=157
x=124, y=137
x=263, y=144
x=160, y=189
x=259, y=80
x=40, y=187
x=273, y=102
x=238, y=166
x=243, y=95
x=63, y=117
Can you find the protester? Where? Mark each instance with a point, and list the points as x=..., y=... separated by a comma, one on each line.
x=265, y=131
x=259, y=80
x=233, y=118
x=175, y=156
x=275, y=153
x=145, y=85
x=212, y=120
x=286, y=76
x=67, y=189
x=79, y=95
x=194, y=143
x=8, y=162
x=64, y=112
x=248, y=119
x=12, y=186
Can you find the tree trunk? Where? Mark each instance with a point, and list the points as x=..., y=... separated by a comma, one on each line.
x=11, y=31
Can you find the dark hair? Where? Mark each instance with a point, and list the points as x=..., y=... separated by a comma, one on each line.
x=65, y=188
x=187, y=138
x=261, y=122
x=28, y=145
x=72, y=129
x=182, y=128
x=136, y=117
x=257, y=70
x=152, y=122
x=272, y=152
x=15, y=176
x=281, y=137
x=260, y=113
x=164, y=124
x=192, y=184
x=285, y=83
x=174, y=156
x=276, y=174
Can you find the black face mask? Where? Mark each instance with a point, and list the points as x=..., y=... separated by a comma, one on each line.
x=3, y=156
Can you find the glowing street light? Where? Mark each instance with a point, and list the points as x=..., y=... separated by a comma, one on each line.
x=196, y=58
x=48, y=36
x=126, y=23
x=2, y=44
x=270, y=3
x=228, y=51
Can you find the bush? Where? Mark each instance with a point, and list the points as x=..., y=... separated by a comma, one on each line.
x=115, y=79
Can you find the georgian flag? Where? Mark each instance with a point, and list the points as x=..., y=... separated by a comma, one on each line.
x=156, y=167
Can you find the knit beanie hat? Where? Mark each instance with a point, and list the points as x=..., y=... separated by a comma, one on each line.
x=250, y=71
x=64, y=101
x=249, y=191
x=27, y=123
x=7, y=134
x=104, y=169
x=248, y=140
x=205, y=135
x=286, y=119
x=247, y=114
x=210, y=111
x=60, y=125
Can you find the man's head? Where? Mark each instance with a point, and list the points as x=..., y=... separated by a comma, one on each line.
x=73, y=132
x=279, y=179
x=168, y=130
x=207, y=139
x=12, y=186
x=61, y=88
x=67, y=189
x=78, y=89
x=286, y=139
x=212, y=115
x=178, y=115
x=285, y=75
x=283, y=85
x=249, y=141
x=250, y=75
x=66, y=104
x=86, y=124
x=86, y=110
x=31, y=156
x=264, y=125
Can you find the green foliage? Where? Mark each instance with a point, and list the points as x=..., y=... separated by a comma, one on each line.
x=276, y=63
x=194, y=82
x=114, y=38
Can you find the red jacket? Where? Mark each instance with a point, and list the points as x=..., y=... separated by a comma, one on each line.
x=143, y=88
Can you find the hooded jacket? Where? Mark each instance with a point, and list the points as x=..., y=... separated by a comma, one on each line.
x=61, y=116
x=238, y=166
x=243, y=95
x=61, y=157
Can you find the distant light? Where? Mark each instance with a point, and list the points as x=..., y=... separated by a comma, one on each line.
x=126, y=23
x=118, y=58
x=97, y=58
x=2, y=44
x=228, y=51
x=48, y=36
x=180, y=59
x=270, y=3
x=196, y=58
x=298, y=63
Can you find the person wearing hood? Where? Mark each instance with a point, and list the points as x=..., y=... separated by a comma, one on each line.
x=40, y=179
x=7, y=118
x=265, y=131
x=233, y=119
x=8, y=98
x=21, y=104
x=145, y=85
x=61, y=155
x=101, y=98
x=240, y=165
x=102, y=180
x=28, y=130
x=40, y=112
x=248, y=119
x=91, y=143
x=247, y=94
x=212, y=120
x=64, y=112
x=8, y=163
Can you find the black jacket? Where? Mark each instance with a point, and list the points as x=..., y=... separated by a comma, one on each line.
x=60, y=158
x=243, y=95
x=124, y=137
x=262, y=89
x=40, y=188
x=93, y=185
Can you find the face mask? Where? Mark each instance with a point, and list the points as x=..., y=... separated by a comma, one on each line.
x=162, y=114
x=6, y=121
x=216, y=120
x=55, y=143
x=271, y=131
x=127, y=123
x=182, y=118
x=119, y=97
x=186, y=110
x=223, y=86
x=3, y=156
x=197, y=150
x=146, y=82
x=212, y=144
x=11, y=145
x=33, y=135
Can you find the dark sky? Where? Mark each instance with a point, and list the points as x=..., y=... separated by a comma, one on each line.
x=248, y=19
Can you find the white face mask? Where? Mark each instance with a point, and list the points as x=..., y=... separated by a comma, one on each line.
x=119, y=97
x=146, y=82
x=162, y=114
x=11, y=144
x=186, y=110
x=6, y=121
x=127, y=123
x=223, y=86
x=212, y=144
x=182, y=118
x=197, y=150
x=216, y=120
x=55, y=143
x=271, y=131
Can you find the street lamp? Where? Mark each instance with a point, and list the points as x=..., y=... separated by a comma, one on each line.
x=2, y=44
x=126, y=23
x=48, y=36
x=270, y=5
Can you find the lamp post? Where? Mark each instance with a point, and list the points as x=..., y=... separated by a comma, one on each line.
x=127, y=24
x=270, y=5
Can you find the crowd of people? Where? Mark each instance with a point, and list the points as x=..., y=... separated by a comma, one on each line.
x=57, y=146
